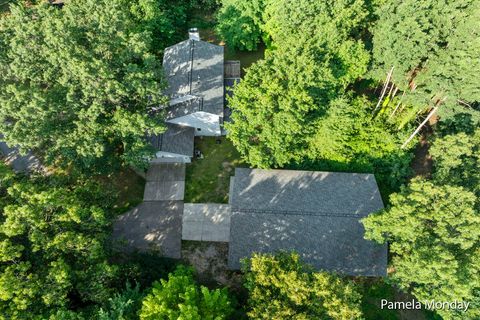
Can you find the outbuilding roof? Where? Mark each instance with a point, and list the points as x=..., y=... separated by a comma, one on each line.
x=176, y=139
x=313, y=213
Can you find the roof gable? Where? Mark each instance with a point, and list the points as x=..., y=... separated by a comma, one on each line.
x=196, y=68
x=313, y=213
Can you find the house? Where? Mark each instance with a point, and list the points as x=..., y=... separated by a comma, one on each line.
x=316, y=214
x=194, y=70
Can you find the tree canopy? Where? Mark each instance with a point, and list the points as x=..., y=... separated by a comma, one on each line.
x=434, y=47
x=240, y=23
x=180, y=297
x=76, y=84
x=52, y=246
x=457, y=160
x=433, y=227
x=274, y=111
x=281, y=287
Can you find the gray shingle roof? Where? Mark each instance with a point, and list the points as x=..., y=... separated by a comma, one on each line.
x=152, y=225
x=196, y=68
x=313, y=213
x=183, y=106
x=176, y=139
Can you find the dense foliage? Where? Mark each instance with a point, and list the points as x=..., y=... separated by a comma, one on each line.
x=180, y=297
x=281, y=287
x=457, y=160
x=52, y=246
x=433, y=227
x=240, y=22
x=280, y=100
x=122, y=306
x=434, y=47
x=76, y=84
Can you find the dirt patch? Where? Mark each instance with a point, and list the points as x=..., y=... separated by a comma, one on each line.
x=210, y=261
x=422, y=163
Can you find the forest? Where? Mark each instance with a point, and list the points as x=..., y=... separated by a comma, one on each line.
x=367, y=86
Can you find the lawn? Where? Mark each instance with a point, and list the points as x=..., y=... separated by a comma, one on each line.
x=208, y=179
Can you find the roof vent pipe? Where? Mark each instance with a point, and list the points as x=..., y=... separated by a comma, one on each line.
x=193, y=34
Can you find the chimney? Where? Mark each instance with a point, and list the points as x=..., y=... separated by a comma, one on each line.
x=193, y=34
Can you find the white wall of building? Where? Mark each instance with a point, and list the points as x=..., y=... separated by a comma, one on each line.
x=208, y=123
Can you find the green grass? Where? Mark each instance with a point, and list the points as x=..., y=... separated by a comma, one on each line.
x=208, y=179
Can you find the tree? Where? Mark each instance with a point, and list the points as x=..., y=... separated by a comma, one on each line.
x=457, y=159
x=180, y=297
x=122, y=306
x=239, y=23
x=346, y=138
x=77, y=84
x=274, y=112
x=281, y=287
x=53, y=240
x=434, y=49
x=437, y=248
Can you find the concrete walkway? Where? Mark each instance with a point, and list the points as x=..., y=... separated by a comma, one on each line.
x=206, y=222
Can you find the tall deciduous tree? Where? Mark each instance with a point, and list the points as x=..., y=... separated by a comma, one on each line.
x=52, y=246
x=240, y=23
x=434, y=236
x=457, y=160
x=276, y=105
x=281, y=287
x=180, y=297
x=76, y=83
x=434, y=47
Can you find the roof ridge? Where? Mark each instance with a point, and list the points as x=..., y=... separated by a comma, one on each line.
x=292, y=212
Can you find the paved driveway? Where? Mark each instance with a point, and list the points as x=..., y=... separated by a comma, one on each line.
x=157, y=222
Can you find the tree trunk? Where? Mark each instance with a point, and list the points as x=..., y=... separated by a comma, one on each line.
x=398, y=105
x=420, y=127
x=385, y=86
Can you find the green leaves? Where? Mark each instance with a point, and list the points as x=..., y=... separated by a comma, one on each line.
x=52, y=245
x=433, y=227
x=240, y=23
x=77, y=84
x=457, y=159
x=435, y=49
x=281, y=287
x=280, y=101
x=181, y=298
